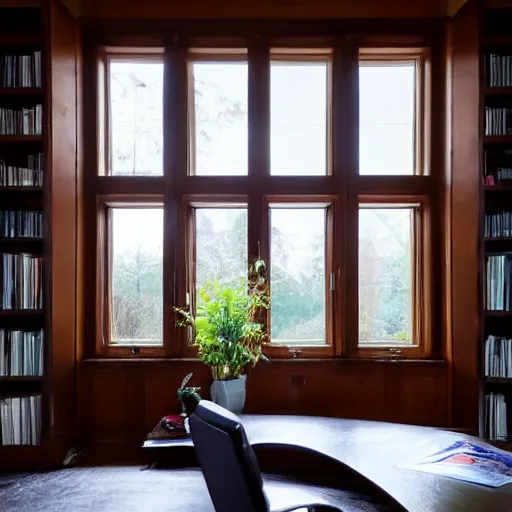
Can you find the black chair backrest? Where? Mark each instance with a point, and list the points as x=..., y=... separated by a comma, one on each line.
x=227, y=460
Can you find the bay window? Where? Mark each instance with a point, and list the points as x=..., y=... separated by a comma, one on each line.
x=313, y=159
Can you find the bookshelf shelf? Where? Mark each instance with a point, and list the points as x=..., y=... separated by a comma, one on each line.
x=21, y=313
x=30, y=245
x=21, y=190
x=21, y=91
x=21, y=138
x=29, y=378
x=498, y=239
x=501, y=187
x=498, y=91
x=498, y=380
x=498, y=139
x=20, y=39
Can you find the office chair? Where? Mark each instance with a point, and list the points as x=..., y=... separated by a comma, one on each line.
x=232, y=473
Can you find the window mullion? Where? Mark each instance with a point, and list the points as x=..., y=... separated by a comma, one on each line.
x=259, y=148
x=175, y=154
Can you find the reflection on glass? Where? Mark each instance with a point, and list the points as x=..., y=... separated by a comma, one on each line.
x=385, y=278
x=298, y=118
x=297, y=275
x=220, y=108
x=221, y=245
x=386, y=118
x=137, y=301
x=136, y=118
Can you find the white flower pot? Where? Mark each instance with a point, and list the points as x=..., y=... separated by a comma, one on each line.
x=229, y=394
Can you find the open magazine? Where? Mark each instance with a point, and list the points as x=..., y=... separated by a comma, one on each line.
x=470, y=462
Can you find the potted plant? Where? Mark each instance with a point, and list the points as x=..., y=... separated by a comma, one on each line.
x=229, y=325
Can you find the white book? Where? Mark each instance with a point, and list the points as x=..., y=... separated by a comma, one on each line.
x=16, y=420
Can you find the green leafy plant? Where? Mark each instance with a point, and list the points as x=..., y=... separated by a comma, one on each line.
x=229, y=323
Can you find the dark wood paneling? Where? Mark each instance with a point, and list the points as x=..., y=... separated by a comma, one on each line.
x=123, y=400
x=63, y=146
x=463, y=254
x=264, y=9
x=113, y=403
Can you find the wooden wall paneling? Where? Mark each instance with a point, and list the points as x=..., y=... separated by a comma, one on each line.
x=417, y=394
x=445, y=178
x=112, y=399
x=123, y=400
x=263, y=9
x=465, y=200
x=63, y=214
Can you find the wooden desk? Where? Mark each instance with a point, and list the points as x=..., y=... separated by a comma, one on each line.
x=377, y=451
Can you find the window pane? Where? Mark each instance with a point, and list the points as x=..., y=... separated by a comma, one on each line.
x=385, y=275
x=298, y=118
x=220, y=108
x=297, y=275
x=386, y=118
x=221, y=245
x=136, y=118
x=137, y=235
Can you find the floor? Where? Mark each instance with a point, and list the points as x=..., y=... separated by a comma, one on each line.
x=120, y=489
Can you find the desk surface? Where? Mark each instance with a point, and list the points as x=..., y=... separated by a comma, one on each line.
x=377, y=451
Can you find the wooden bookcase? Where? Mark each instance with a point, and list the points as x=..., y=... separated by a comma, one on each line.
x=47, y=25
x=20, y=93
x=496, y=195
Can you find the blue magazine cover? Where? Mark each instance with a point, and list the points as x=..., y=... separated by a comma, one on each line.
x=470, y=462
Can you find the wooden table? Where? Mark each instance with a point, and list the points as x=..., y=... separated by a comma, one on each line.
x=378, y=452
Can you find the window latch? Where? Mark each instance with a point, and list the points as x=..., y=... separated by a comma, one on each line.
x=295, y=352
x=333, y=282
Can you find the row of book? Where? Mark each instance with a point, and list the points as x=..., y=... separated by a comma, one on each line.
x=498, y=121
x=21, y=224
x=498, y=225
x=24, y=121
x=499, y=70
x=21, y=70
x=20, y=420
x=21, y=353
x=17, y=176
x=498, y=282
x=496, y=417
x=22, y=281
x=498, y=357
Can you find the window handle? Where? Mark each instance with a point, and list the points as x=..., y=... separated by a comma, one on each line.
x=295, y=352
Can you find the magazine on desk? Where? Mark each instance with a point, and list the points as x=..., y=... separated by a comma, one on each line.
x=470, y=462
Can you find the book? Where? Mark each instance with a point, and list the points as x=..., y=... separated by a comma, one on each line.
x=21, y=353
x=20, y=420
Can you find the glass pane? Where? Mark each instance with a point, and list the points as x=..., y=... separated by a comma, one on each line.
x=297, y=275
x=385, y=277
x=221, y=245
x=220, y=108
x=136, y=118
x=137, y=301
x=298, y=118
x=386, y=118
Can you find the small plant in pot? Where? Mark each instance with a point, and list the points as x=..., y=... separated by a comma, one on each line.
x=229, y=325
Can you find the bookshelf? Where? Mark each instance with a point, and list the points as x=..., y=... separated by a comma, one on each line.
x=24, y=230
x=496, y=226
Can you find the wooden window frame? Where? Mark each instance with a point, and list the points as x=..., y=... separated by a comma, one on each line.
x=104, y=345
x=324, y=55
x=105, y=56
x=342, y=186
x=421, y=308
x=421, y=59
x=283, y=350
x=199, y=56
